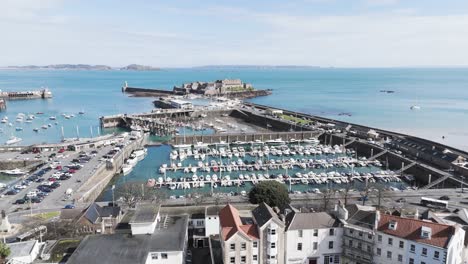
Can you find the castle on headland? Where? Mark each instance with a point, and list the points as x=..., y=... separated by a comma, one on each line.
x=218, y=87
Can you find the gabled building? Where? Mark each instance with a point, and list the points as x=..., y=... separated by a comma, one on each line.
x=271, y=234
x=414, y=241
x=239, y=237
x=99, y=218
x=313, y=238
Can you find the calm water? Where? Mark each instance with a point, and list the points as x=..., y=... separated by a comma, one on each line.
x=442, y=95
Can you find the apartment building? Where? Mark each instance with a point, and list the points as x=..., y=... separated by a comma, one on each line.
x=239, y=236
x=271, y=234
x=414, y=241
x=313, y=238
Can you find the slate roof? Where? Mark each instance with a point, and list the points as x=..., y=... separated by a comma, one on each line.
x=301, y=221
x=263, y=213
x=363, y=216
x=125, y=248
x=410, y=229
x=231, y=223
x=95, y=212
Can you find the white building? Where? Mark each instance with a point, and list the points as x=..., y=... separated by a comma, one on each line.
x=271, y=233
x=24, y=252
x=239, y=237
x=145, y=219
x=211, y=221
x=313, y=238
x=414, y=241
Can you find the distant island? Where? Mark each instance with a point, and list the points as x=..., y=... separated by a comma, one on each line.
x=86, y=67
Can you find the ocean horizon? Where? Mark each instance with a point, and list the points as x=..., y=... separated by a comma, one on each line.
x=329, y=92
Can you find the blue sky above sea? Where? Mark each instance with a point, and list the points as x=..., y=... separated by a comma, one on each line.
x=339, y=33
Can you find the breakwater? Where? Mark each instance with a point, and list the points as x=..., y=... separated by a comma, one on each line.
x=20, y=95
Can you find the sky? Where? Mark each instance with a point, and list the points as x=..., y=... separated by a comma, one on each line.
x=180, y=33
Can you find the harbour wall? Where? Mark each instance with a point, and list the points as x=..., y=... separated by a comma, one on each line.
x=19, y=164
x=93, y=187
x=146, y=91
x=246, y=137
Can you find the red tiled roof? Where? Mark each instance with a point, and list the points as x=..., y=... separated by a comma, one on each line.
x=410, y=229
x=231, y=224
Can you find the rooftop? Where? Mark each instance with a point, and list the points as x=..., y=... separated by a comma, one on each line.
x=124, y=248
x=263, y=213
x=299, y=221
x=410, y=229
x=363, y=216
x=95, y=212
x=21, y=249
x=145, y=213
x=231, y=223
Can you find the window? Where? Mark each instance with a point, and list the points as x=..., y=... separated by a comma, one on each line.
x=154, y=255
x=379, y=238
x=233, y=260
x=332, y=259
x=255, y=244
x=332, y=232
x=315, y=232
x=422, y=262
x=299, y=246
x=243, y=246
x=242, y=259
x=254, y=258
x=402, y=244
x=272, y=231
x=299, y=233
x=360, y=233
x=200, y=222
x=273, y=245
x=389, y=254
x=369, y=236
x=330, y=245
x=232, y=246
x=436, y=254
x=424, y=251
x=411, y=261
x=379, y=251
x=315, y=245
x=400, y=258
x=350, y=243
x=359, y=245
x=351, y=231
x=390, y=241
x=369, y=249
x=164, y=255
x=412, y=248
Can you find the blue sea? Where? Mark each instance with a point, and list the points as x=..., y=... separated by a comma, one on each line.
x=442, y=95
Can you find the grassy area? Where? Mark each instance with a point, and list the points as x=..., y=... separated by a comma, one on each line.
x=47, y=216
x=63, y=250
x=295, y=119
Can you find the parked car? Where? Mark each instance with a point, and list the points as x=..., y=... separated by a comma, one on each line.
x=69, y=206
x=12, y=192
x=20, y=201
x=444, y=198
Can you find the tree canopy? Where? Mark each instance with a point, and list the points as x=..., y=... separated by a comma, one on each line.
x=4, y=250
x=272, y=193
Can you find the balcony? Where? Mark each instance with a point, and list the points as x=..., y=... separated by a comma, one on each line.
x=272, y=251
x=272, y=238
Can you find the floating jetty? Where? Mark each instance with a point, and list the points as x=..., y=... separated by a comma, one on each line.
x=2, y=104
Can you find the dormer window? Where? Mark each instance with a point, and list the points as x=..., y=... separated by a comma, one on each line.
x=426, y=232
x=392, y=225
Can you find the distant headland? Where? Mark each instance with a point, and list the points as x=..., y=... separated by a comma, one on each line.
x=86, y=67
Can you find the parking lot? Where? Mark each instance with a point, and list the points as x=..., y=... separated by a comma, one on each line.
x=52, y=185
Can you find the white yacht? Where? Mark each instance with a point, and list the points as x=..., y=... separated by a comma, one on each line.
x=13, y=140
x=13, y=172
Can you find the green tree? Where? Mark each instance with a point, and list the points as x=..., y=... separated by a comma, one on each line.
x=272, y=193
x=4, y=251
